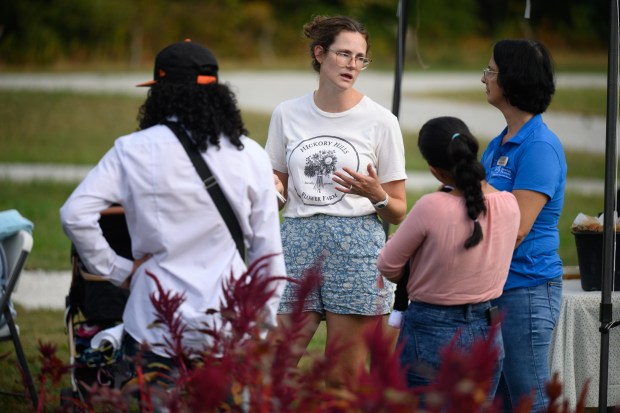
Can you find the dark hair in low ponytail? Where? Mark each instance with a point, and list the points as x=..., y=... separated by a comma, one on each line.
x=446, y=143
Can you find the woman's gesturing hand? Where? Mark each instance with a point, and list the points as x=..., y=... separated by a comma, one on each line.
x=353, y=182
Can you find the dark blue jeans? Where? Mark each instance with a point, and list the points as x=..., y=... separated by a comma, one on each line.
x=530, y=315
x=427, y=328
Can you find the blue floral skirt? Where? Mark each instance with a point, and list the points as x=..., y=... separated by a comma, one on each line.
x=347, y=249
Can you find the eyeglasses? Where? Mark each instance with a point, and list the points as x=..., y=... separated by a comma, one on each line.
x=343, y=59
x=486, y=71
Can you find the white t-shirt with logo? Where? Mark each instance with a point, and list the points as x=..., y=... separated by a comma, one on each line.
x=310, y=145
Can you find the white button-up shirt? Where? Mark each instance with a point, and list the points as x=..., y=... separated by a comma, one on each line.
x=171, y=216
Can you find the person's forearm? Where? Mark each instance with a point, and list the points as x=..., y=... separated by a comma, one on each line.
x=395, y=211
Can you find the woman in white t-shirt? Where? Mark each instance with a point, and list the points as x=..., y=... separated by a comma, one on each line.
x=338, y=158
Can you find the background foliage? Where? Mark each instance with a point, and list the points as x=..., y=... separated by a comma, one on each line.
x=50, y=32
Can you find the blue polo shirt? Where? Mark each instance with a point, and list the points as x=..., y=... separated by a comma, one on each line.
x=532, y=160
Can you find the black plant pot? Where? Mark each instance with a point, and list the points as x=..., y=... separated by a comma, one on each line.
x=590, y=256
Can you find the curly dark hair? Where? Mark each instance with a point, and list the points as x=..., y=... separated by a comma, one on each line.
x=525, y=74
x=208, y=112
x=446, y=143
x=322, y=31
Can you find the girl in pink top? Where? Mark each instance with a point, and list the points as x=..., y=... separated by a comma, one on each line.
x=459, y=245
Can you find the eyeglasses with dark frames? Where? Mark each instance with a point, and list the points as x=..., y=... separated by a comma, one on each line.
x=343, y=59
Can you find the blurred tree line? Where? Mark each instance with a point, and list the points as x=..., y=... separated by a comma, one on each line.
x=45, y=32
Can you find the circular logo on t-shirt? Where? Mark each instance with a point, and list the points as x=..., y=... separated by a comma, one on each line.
x=313, y=163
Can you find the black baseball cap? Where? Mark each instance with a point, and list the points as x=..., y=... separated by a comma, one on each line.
x=184, y=62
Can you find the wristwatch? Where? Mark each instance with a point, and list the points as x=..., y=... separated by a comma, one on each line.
x=381, y=204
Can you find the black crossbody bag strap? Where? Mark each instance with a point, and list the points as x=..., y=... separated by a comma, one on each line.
x=211, y=185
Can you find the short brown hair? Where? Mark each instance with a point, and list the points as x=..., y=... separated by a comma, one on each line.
x=322, y=30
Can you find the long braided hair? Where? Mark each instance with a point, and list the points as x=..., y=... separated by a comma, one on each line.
x=446, y=143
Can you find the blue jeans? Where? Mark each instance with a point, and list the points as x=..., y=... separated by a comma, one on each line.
x=530, y=315
x=427, y=328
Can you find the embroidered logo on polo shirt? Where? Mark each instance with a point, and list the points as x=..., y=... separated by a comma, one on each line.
x=501, y=172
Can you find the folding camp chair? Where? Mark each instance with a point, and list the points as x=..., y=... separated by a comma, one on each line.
x=94, y=304
x=16, y=248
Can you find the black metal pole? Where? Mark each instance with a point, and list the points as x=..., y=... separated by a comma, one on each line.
x=403, y=13
x=401, y=38
x=609, y=233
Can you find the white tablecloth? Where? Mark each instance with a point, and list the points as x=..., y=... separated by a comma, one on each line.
x=576, y=345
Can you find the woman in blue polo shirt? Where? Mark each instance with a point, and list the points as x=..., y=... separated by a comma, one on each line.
x=527, y=159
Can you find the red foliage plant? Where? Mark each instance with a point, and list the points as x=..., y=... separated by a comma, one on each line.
x=243, y=372
x=52, y=368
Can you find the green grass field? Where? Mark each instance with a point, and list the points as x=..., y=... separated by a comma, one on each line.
x=71, y=128
x=79, y=128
